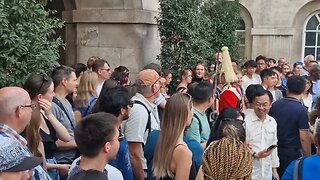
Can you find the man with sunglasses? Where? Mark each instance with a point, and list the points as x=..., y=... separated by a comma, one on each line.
x=261, y=133
x=15, y=114
x=97, y=137
x=102, y=68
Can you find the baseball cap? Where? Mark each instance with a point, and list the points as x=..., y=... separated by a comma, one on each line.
x=13, y=158
x=148, y=77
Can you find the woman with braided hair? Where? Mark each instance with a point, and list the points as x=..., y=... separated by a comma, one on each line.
x=229, y=157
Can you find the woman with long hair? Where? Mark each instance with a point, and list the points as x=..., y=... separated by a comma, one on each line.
x=200, y=73
x=185, y=79
x=228, y=157
x=174, y=160
x=44, y=129
x=86, y=93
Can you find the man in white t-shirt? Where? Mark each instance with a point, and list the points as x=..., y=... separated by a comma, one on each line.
x=251, y=77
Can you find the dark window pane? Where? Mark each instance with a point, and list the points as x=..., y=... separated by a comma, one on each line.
x=318, y=54
x=242, y=25
x=312, y=23
x=242, y=37
x=310, y=38
x=308, y=51
x=318, y=44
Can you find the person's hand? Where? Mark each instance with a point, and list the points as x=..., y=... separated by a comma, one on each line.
x=263, y=153
x=64, y=168
x=45, y=105
x=275, y=174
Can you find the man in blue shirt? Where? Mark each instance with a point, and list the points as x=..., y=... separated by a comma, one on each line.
x=292, y=124
x=310, y=166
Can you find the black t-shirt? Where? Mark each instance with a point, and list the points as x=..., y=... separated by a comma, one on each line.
x=48, y=140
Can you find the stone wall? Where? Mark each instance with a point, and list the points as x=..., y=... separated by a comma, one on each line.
x=121, y=31
x=125, y=32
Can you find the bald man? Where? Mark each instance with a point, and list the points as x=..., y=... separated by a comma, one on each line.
x=15, y=108
x=15, y=114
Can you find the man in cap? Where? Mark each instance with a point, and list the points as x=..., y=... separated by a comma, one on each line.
x=143, y=118
x=14, y=163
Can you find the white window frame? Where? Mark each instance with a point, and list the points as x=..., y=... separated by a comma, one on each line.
x=317, y=31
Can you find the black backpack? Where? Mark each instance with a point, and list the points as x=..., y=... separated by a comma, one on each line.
x=148, y=126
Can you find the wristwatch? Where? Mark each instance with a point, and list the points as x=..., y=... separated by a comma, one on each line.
x=254, y=155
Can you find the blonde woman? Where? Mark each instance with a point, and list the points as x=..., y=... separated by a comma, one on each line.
x=174, y=160
x=86, y=93
x=185, y=80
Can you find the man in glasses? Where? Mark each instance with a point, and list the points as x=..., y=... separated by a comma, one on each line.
x=116, y=101
x=261, y=133
x=97, y=137
x=143, y=118
x=15, y=114
x=102, y=68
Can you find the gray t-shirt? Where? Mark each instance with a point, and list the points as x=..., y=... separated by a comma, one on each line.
x=68, y=121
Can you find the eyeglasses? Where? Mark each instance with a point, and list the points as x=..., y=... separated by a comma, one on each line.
x=44, y=79
x=156, y=81
x=32, y=106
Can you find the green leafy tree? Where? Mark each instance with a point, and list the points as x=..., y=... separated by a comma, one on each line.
x=224, y=18
x=25, y=43
x=194, y=30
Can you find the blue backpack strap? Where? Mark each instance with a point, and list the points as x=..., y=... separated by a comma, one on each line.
x=89, y=105
x=297, y=171
x=148, y=126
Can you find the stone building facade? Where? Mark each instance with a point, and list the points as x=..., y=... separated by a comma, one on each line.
x=280, y=28
x=125, y=32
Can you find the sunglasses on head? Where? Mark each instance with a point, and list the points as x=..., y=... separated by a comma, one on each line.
x=44, y=79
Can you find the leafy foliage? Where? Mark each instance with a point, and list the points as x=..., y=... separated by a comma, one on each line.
x=193, y=30
x=25, y=44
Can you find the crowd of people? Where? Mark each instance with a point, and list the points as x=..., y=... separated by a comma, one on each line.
x=89, y=122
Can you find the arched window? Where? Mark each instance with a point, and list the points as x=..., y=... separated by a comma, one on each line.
x=241, y=33
x=312, y=36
